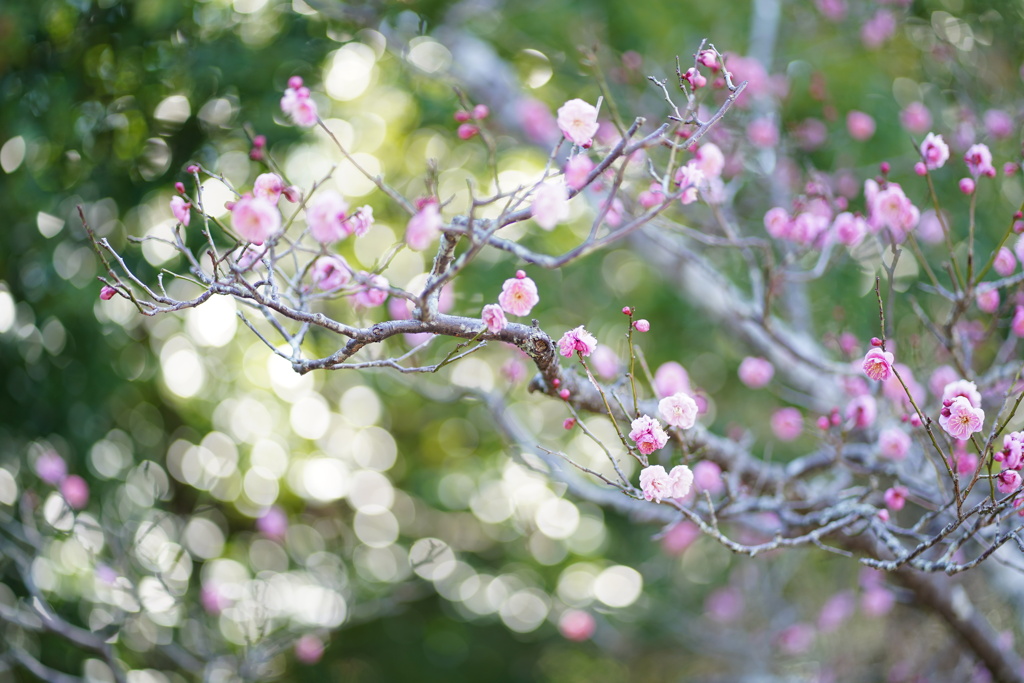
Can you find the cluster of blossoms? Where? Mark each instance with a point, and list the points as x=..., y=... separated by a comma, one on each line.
x=1012, y=460
x=298, y=104
x=469, y=130
x=658, y=485
x=52, y=469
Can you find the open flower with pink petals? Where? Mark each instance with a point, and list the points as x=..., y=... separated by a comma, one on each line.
x=756, y=372
x=181, y=210
x=979, y=161
x=255, y=219
x=518, y=295
x=962, y=387
x=359, y=223
x=298, y=105
x=269, y=186
x=658, y=485
x=648, y=434
x=494, y=318
x=1008, y=481
x=577, y=340
x=550, y=205
x=578, y=122
x=934, y=151
x=330, y=273
x=878, y=364
x=326, y=215
x=373, y=292
x=577, y=169
x=960, y=419
x=678, y=410
x=424, y=227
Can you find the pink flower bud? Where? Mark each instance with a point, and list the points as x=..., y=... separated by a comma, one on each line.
x=556, y=383
x=520, y=274
x=179, y=187
x=967, y=186
x=1008, y=481
x=107, y=293
x=1010, y=168
x=193, y=169
x=627, y=310
x=920, y=168
x=51, y=468
x=642, y=325
x=259, y=141
x=824, y=423
x=883, y=515
x=896, y=498
x=467, y=131
x=481, y=111
x=756, y=372
x=564, y=394
x=884, y=167
x=568, y=423
x=295, y=82
x=461, y=116
x=875, y=341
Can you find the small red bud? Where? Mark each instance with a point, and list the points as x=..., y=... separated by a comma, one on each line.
x=256, y=154
x=467, y=131
x=564, y=394
x=107, y=292
x=193, y=169
x=259, y=141
x=824, y=423
x=481, y=111
x=179, y=187
x=1018, y=215
x=569, y=423
x=626, y=310
x=520, y=274
x=295, y=82
x=875, y=341
x=461, y=116
x=967, y=185
x=556, y=382
x=920, y=168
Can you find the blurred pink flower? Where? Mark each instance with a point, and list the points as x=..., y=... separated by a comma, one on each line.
x=987, y=298
x=679, y=537
x=861, y=126
x=849, y=228
x=962, y=387
x=269, y=186
x=330, y=273
x=578, y=122
x=326, y=215
x=550, y=205
x=372, y=292
x=273, y=523
x=1005, y=262
x=424, y=227
x=878, y=29
x=707, y=476
x=916, y=118
x=836, y=610
x=255, y=219
x=297, y=104
x=51, y=468
x=896, y=497
x=309, y=649
x=361, y=221
x=756, y=372
x=604, y=362
x=577, y=169
x=998, y=123
x=960, y=419
x=862, y=411
x=894, y=443
x=671, y=378
x=710, y=160
x=181, y=210
x=796, y=639
x=75, y=491
x=690, y=180
x=763, y=133
x=979, y=161
x=787, y=424
x=934, y=151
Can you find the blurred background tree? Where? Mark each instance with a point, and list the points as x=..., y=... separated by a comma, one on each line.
x=105, y=103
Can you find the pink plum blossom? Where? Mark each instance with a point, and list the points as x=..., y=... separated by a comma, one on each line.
x=877, y=601
x=861, y=411
x=1008, y=481
x=360, y=222
x=651, y=197
x=578, y=122
x=960, y=419
x=297, y=104
x=680, y=537
x=763, y=133
x=309, y=649
x=979, y=161
x=536, y=120
x=604, y=362
x=710, y=160
x=878, y=364
x=642, y=325
x=330, y=273
x=373, y=291
x=576, y=625
x=424, y=227
x=934, y=151
x=326, y=215
x=987, y=298
x=107, y=293
x=849, y=228
x=787, y=423
x=180, y=209
x=777, y=222
x=896, y=498
x=657, y=484
x=836, y=610
x=577, y=340
x=796, y=639
x=75, y=491
x=550, y=205
x=756, y=372
x=51, y=468
x=678, y=410
x=577, y=169
x=861, y=126
x=916, y=118
x=891, y=208
x=255, y=219
x=998, y=123
x=269, y=186
x=690, y=179
x=1004, y=262
x=494, y=318
x=725, y=604
x=518, y=295
x=648, y=435
x=1017, y=324
x=707, y=476
x=249, y=256
x=893, y=443
x=671, y=378
x=878, y=29
x=964, y=388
